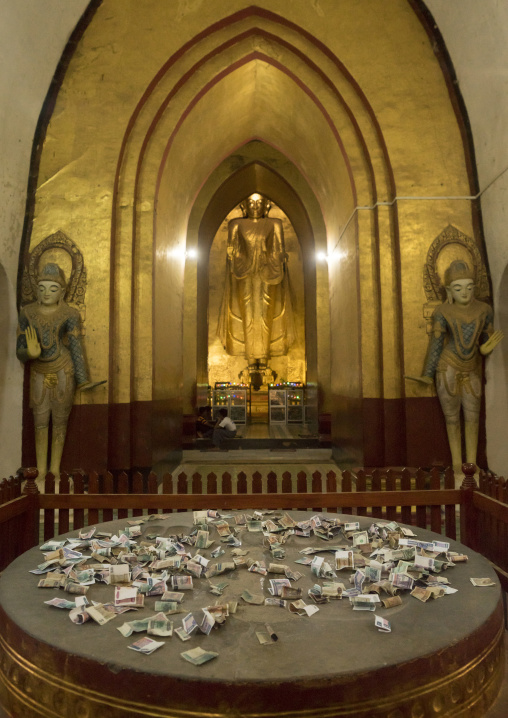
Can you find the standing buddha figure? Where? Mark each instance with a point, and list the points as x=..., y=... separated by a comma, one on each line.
x=463, y=331
x=255, y=314
x=49, y=337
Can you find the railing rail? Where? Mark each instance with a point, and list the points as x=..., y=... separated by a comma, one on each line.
x=423, y=499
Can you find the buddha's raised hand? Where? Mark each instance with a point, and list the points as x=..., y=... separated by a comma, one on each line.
x=33, y=348
x=491, y=342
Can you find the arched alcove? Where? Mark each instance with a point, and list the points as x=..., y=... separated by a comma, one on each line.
x=251, y=168
x=124, y=175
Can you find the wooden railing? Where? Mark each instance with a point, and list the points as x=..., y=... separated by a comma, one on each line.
x=477, y=516
x=424, y=500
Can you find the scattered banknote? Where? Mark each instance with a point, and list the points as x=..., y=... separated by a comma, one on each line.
x=99, y=613
x=422, y=594
x=482, y=582
x=87, y=534
x=264, y=638
x=146, y=645
x=280, y=602
x=182, y=634
x=61, y=603
x=159, y=625
x=207, y=623
x=189, y=623
x=78, y=615
x=253, y=598
x=127, y=629
x=382, y=624
x=166, y=606
x=173, y=596
x=392, y=602
x=197, y=656
x=302, y=609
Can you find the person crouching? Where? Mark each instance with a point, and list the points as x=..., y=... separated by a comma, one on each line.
x=224, y=429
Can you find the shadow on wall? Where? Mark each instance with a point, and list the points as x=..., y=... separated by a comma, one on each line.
x=502, y=318
x=8, y=308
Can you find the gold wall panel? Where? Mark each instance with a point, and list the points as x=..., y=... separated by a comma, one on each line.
x=142, y=121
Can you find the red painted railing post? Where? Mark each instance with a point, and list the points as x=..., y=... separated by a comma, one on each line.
x=32, y=530
x=468, y=514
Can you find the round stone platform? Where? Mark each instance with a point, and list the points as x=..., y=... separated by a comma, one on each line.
x=442, y=658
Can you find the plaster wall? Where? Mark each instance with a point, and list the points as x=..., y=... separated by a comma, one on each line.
x=476, y=36
x=33, y=36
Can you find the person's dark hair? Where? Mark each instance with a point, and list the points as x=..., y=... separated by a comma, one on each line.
x=202, y=410
x=223, y=412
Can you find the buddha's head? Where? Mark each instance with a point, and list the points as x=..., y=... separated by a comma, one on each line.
x=51, y=285
x=256, y=206
x=459, y=283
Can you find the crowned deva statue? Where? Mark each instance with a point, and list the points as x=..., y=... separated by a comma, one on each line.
x=463, y=330
x=255, y=318
x=49, y=336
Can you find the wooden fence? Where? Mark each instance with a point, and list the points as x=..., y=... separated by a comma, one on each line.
x=478, y=517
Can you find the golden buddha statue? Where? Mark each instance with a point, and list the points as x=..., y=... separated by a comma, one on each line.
x=463, y=330
x=255, y=319
x=49, y=336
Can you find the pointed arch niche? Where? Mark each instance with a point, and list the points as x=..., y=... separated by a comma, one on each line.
x=257, y=167
x=161, y=127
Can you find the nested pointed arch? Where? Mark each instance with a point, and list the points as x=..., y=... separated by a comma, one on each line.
x=293, y=95
x=349, y=111
x=252, y=168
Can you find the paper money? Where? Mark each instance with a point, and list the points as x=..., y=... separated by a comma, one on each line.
x=189, y=623
x=119, y=574
x=182, y=583
x=166, y=606
x=87, y=534
x=360, y=538
x=99, y=614
x=302, y=609
x=222, y=528
x=289, y=592
x=173, y=596
x=344, y=559
x=293, y=575
x=332, y=590
x=217, y=568
x=52, y=581
x=202, y=539
x=75, y=588
x=125, y=596
x=146, y=645
x=127, y=629
x=277, y=568
x=61, y=603
x=264, y=638
x=207, y=623
x=279, y=602
x=392, y=602
x=253, y=598
x=78, y=615
x=421, y=594
x=382, y=624
x=402, y=580
x=198, y=656
x=482, y=582
x=182, y=634
x=160, y=626
x=254, y=526
x=52, y=545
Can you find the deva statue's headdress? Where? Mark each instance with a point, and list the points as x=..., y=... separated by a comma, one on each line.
x=51, y=272
x=458, y=270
